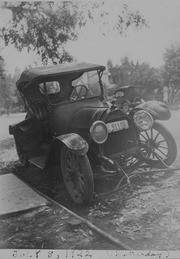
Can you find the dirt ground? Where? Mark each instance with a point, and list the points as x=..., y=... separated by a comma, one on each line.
x=144, y=215
x=46, y=227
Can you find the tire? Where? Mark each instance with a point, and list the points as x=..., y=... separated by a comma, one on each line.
x=80, y=187
x=163, y=143
x=125, y=107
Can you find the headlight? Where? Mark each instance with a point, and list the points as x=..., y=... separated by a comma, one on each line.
x=99, y=132
x=143, y=120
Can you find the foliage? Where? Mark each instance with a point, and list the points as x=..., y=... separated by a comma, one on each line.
x=135, y=74
x=46, y=27
x=10, y=98
x=1, y=67
x=170, y=72
x=145, y=75
x=3, y=92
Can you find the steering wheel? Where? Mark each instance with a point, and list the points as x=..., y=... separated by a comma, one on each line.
x=79, y=92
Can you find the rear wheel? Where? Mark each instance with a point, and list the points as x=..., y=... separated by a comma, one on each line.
x=78, y=176
x=158, y=146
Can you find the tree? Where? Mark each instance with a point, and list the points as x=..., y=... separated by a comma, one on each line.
x=1, y=67
x=2, y=77
x=145, y=75
x=10, y=99
x=15, y=99
x=135, y=74
x=46, y=27
x=4, y=89
x=170, y=72
x=120, y=74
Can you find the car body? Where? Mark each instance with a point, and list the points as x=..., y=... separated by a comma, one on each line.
x=129, y=96
x=69, y=125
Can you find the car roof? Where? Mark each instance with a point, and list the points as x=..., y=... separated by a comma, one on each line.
x=41, y=72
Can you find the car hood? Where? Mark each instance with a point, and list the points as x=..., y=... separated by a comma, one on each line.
x=76, y=117
x=84, y=118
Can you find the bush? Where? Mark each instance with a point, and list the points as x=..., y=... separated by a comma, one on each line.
x=2, y=111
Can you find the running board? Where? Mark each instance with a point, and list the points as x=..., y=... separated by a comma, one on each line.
x=39, y=161
x=41, y=155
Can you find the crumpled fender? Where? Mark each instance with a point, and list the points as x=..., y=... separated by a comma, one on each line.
x=74, y=142
x=158, y=110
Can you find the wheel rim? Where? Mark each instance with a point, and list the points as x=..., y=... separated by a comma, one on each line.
x=74, y=177
x=125, y=107
x=153, y=145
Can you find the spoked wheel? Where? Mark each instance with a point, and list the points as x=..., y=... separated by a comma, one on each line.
x=78, y=176
x=158, y=147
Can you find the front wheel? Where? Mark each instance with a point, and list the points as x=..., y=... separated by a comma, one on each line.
x=157, y=146
x=77, y=175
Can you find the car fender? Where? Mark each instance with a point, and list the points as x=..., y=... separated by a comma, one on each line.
x=159, y=110
x=74, y=142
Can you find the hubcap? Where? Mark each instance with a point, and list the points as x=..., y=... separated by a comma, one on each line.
x=125, y=107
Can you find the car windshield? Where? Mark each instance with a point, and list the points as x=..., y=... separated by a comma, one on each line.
x=69, y=88
x=86, y=86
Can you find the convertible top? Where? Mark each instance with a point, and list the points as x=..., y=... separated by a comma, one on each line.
x=41, y=72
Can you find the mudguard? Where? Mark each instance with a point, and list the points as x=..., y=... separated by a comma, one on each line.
x=158, y=110
x=74, y=142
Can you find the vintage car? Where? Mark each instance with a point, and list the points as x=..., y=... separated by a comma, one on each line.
x=129, y=96
x=69, y=126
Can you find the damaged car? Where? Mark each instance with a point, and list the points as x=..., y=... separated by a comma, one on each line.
x=69, y=125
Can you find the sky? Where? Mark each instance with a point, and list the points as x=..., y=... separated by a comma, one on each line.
x=147, y=45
